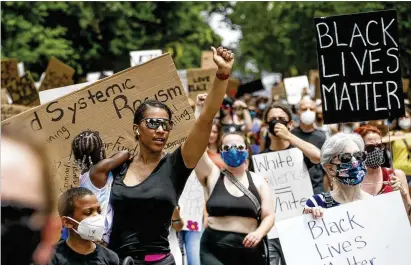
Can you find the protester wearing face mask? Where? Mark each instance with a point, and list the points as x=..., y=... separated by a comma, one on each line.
x=307, y=132
x=342, y=157
x=81, y=213
x=278, y=138
x=401, y=149
x=380, y=180
x=30, y=225
x=240, y=208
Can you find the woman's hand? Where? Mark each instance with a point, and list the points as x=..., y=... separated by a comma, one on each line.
x=239, y=103
x=223, y=58
x=317, y=212
x=396, y=184
x=282, y=131
x=252, y=239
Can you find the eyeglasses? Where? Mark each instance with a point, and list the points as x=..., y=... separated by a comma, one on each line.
x=372, y=147
x=239, y=147
x=347, y=157
x=154, y=123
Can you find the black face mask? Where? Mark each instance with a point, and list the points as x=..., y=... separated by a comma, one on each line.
x=18, y=240
x=271, y=125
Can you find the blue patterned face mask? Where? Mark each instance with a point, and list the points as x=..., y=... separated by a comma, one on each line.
x=234, y=158
x=352, y=173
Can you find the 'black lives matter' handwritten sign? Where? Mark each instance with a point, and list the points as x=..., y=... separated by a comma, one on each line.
x=350, y=234
x=359, y=65
x=199, y=81
x=107, y=106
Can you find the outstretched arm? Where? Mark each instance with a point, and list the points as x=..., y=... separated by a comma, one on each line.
x=197, y=140
x=98, y=174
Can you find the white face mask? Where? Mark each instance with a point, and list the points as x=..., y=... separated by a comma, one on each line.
x=405, y=124
x=91, y=228
x=307, y=117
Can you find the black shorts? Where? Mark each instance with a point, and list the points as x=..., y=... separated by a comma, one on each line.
x=226, y=248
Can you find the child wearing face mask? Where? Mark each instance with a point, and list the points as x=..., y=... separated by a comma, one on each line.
x=80, y=213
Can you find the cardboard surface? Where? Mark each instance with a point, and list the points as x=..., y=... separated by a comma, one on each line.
x=207, y=60
x=58, y=74
x=107, y=106
x=191, y=204
x=11, y=110
x=199, y=81
x=23, y=91
x=4, y=96
x=359, y=63
x=289, y=181
x=368, y=232
x=406, y=85
x=139, y=57
x=9, y=71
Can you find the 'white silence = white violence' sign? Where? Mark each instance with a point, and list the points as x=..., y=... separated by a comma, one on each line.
x=374, y=231
x=191, y=204
x=289, y=180
x=139, y=57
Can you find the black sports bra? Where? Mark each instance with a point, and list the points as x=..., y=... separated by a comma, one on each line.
x=222, y=203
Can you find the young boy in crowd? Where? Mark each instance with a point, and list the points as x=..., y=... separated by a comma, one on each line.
x=80, y=213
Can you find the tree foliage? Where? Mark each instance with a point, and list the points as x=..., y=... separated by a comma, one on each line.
x=280, y=36
x=95, y=36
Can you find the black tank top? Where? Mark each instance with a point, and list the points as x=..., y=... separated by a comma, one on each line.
x=222, y=203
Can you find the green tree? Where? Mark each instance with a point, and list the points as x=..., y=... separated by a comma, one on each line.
x=280, y=36
x=95, y=36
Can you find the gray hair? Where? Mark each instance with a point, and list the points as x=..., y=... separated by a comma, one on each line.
x=336, y=145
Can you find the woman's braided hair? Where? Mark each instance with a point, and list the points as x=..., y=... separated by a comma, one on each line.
x=87, y=149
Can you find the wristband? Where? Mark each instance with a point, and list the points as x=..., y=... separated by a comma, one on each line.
x=222, y=76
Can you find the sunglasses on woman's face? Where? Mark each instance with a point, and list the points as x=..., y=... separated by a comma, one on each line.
x=372, y=147
x=154, y=123
x=347, y=157
x=239, y=147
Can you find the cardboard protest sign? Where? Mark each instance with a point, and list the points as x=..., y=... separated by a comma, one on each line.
x=367, y=232
x=207, y=60
x=199, y=81
x=4, y=96
x=288, y=178
x=10, y=110
x=405, y=85
x=23, y=91
x=55, y=93
x=278, y=90
x=58, y=74
x=139, y=57
x=294, y=87
x=359, y=63
x=268, y=79
x=9, y=72
x=232, y=87
x=107, y=106
x=314, y=80
x=192, y=204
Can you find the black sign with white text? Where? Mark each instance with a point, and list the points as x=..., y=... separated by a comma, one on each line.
x=359, y=63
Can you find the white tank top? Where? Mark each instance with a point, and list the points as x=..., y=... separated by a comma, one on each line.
x=103, y=198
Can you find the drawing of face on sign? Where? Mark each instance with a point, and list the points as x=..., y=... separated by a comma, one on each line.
x=108, y=107
x=359, y=67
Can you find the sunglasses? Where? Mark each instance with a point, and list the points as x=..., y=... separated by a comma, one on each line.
x=239, y=147
x=347, y=157
x=154, y=123
x=372, y=147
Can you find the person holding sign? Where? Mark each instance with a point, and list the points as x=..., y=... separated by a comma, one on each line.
x=278, y=138
x=342, y=157
x=146, y=189
x=380, y=180
x=240, y=208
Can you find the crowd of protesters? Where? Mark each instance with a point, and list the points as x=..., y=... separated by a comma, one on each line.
x=126, y=209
